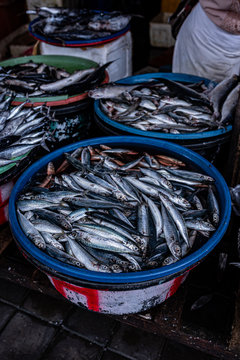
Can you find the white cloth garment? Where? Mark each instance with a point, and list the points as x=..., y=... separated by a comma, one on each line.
x=204, y=49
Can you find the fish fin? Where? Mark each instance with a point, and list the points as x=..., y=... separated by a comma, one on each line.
x=43, y=143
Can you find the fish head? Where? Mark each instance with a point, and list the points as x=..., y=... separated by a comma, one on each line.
x=95, y=94
x=116, y=268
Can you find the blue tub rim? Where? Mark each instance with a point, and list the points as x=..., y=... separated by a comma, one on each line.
x=154, y=134
x=177, y=268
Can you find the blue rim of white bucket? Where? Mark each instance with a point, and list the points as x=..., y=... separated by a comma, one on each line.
x=154, y=134
x=141, y=276
x=76, y=43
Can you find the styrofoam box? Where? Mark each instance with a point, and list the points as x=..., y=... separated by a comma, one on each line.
x=119, y=50
x=160, y=31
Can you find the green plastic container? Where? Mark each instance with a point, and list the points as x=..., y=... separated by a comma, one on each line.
x=68, y=63
x=74, y=113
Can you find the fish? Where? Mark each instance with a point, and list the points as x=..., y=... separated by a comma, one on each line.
x=199, y=225
x=110, y=90
x=57, y=219
x=171, y=234
x=63, y=24
x=183, y=110
x=18, y=139
x=213, y=207
x=176, y=216
x=156, y=215
x=220, y=92
x=49, y=239
x=100, y=242
x=62, y=83
x=105, y=218
x=85, y=258
x=47, y=227
x=44, y=80
x=63, y=256
x=229, y=105
x=31, y=231
x=14, y=151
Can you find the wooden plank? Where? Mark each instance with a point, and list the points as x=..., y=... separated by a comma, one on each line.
x=197, y=342
x=163, y=320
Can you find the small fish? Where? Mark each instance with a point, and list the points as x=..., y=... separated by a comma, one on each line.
x=220, y=92
x=60, y=84
x=199, y=225
x=213, y=207
x=49, y=239
x=171, y=234
x=31, y=231
x=86, y=259
x=156, y=215
x=105, y=210
x=229, y=105
x=176, y=215
x=110, y=90
x=57, y=219
x=100, y=242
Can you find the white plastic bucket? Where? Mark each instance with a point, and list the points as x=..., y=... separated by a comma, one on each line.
x=119, y=50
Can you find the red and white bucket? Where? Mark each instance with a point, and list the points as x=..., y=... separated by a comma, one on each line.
x=120, y=301
x=5, y=192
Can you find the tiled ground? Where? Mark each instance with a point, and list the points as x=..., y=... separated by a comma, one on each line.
x=34, y=326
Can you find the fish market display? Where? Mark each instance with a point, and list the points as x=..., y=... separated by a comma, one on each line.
x=77, y=24
x=118, y=210
x=42, y=80
x=22, y=130
x=168, y=106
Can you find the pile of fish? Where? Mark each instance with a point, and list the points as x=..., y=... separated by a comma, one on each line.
x=77, y=24
x=22, y=130
x=41, y=80
x=118, y=210
x=168, y=106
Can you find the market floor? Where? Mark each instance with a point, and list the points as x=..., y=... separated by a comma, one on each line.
x=38, y=327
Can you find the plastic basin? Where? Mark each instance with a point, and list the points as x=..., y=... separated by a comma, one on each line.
x=205, y=143
x=5, y=191
x=77, y=43
x=68, y=63
x=122, y=293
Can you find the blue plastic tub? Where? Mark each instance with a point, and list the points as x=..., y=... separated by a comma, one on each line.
x=206, y=143
x=135, y=291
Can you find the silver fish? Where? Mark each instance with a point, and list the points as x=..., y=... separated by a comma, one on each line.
x=156, y=215
x=220, y=91
x=31, y=231
x=176, y=216
x=171, y=235
x=72, y=79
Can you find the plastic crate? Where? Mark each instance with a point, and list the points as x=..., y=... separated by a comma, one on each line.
x=160, y=31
